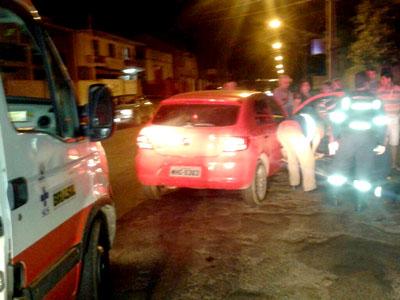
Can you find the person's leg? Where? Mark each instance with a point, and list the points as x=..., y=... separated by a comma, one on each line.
x=286, y=136
x=306, y=158
x=393, y=130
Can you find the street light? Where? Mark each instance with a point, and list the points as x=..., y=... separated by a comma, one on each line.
x=274, y=23
x=277, y=45
x=280, y=66
x=278, y=58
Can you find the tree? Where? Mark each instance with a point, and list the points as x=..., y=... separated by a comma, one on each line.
x=374, y=37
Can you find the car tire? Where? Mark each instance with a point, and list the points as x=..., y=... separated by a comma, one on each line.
x=152, y=192
x=95, y=266
x=256, y=193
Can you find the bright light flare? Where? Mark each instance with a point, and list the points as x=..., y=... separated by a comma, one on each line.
x=277, y=45
x=380, y=120
x=274, y=23
x=378, y=192
x=362, y=185
x=280, y=66
x=337, y=117
x=281, y=71
x=278, y=58
x=233, y=143
x=346, y=103
x=337, y=180
x=360, y=125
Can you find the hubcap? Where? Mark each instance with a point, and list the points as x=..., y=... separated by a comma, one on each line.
x=261, y=182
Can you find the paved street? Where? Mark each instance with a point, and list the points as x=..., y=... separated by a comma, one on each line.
x=210, y=245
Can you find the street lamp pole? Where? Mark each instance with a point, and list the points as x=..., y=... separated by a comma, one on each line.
x=330, y=36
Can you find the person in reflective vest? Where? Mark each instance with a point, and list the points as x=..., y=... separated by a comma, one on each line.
x=359, y=127
x=296, y=136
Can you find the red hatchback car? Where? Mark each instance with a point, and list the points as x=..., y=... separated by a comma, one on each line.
x=210, y=140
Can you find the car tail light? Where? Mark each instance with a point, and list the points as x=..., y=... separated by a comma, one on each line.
x=232, y=143
x=143, y=142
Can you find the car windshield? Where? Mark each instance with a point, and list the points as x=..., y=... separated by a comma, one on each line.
x=197, y=115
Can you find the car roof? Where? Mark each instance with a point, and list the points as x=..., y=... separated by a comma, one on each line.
x=233, y=95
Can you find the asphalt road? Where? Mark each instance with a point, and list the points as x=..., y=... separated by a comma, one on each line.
x=210, y=245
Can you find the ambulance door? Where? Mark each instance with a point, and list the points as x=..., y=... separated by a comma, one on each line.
x=50, y=166
x=4, y=226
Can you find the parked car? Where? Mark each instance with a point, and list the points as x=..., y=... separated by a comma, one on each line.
x=132, y=109
x=210, y=140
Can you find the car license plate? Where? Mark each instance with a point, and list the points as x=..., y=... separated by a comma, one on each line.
x=176, y=171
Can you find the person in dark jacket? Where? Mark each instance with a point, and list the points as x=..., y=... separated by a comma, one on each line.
x=359, y=128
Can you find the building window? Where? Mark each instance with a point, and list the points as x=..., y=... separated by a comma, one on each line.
x=96, y=47
x=126, y=53
x=111, y=50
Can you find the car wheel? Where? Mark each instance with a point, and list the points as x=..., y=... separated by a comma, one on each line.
x=95, y=266
x=257, y=191
x=152, y=192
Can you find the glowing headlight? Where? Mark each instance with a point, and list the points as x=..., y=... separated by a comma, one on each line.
x=346, y=103
x=126, y=112
x=360, y=125
x=362, y=185
x=376, y=104
x=337, y=117
x=337, y=180
x=380, y=120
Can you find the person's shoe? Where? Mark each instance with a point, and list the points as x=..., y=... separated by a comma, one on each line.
x=294, y=187
x=396, y=168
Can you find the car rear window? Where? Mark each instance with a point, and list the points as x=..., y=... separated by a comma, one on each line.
x=200, y=115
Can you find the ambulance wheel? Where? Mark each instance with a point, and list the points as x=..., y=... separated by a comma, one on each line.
x=257, y=191
x=95, y=266
x=152, y=192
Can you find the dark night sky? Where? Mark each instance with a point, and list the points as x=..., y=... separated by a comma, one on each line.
x=227, y=34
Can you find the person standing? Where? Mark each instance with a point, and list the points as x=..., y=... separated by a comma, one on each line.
x=389, y=94
x=372, y=80
x=360, y=136
x=283, y=96
x=295, y=136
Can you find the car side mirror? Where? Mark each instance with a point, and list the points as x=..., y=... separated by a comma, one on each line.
x=100, y=112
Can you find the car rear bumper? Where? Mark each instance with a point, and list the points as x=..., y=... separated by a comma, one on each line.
x=231, y=171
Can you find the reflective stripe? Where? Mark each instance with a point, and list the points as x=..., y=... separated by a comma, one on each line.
x=311, y=126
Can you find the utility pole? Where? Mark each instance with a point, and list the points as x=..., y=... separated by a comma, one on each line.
x=330, y=36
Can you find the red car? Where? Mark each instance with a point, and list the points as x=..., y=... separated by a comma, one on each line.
x=210, y=140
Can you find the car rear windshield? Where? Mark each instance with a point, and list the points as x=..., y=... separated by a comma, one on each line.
x=200, y=115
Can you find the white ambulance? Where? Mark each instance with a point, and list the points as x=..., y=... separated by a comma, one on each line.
x=57, y=220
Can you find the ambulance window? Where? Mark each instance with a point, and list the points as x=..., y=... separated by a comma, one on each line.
x=32, y=99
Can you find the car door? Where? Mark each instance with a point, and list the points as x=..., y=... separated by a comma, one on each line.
x=265, y=127
x=46, y=158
